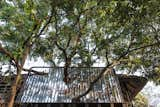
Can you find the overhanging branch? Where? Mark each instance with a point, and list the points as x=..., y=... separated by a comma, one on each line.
x=46, y=24
x=35, y=72
x=108, y=67
x=8, y=54
x=143, y=47
x=105, y=70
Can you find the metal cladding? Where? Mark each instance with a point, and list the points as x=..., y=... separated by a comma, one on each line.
x=52, y=89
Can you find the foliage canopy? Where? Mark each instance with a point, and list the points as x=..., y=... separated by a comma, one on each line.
x=123, y=34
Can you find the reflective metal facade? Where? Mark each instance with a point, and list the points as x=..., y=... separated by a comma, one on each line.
x=51, y=88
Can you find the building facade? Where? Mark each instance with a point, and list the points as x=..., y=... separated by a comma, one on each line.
x=50, y=90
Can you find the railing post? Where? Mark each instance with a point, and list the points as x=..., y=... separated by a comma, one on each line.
x=99, y=105
x=125, y=105
x=112, y=104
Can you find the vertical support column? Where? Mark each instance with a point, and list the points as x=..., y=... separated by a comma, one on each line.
x=73, y=105
x=62, y=105
x=112, y=105
x=70, y=104
x=86, y=105
x=125, y=105
x=1, y=105
x=36, y=105
x=99, y=105
x=48, y=105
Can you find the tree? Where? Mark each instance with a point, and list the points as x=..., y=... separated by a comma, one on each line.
x=124, y=34
x=24, y=22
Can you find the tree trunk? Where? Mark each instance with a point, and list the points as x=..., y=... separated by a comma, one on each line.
x=18, y=77
x=14, y=90
x=66, y=79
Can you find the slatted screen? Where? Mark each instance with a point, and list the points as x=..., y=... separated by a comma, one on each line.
x=52, y=89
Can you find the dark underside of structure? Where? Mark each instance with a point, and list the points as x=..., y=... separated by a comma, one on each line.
x=71, y=105
x=131, y=85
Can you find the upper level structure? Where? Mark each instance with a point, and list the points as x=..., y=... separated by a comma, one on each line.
x=51, y=88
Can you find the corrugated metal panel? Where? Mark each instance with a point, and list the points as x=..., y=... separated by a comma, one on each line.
x=52, y=89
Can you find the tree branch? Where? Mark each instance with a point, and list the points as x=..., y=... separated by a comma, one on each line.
x=69, y=40
x=105, y=70
x=35, y=72
x=56, y=36
x=156, y=34
x=130, y=44
x=8, y=54
x=79, y=34
x=28, y=42
x=145, y=46
x=108, y=67
x=46, y=24
x=107, y=59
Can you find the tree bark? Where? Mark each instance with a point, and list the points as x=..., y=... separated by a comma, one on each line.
x=105, y=70
x=66, y=79
x=14, y=90
x=18, y=77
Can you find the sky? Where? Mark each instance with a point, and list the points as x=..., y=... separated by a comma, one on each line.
x=152, y=92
